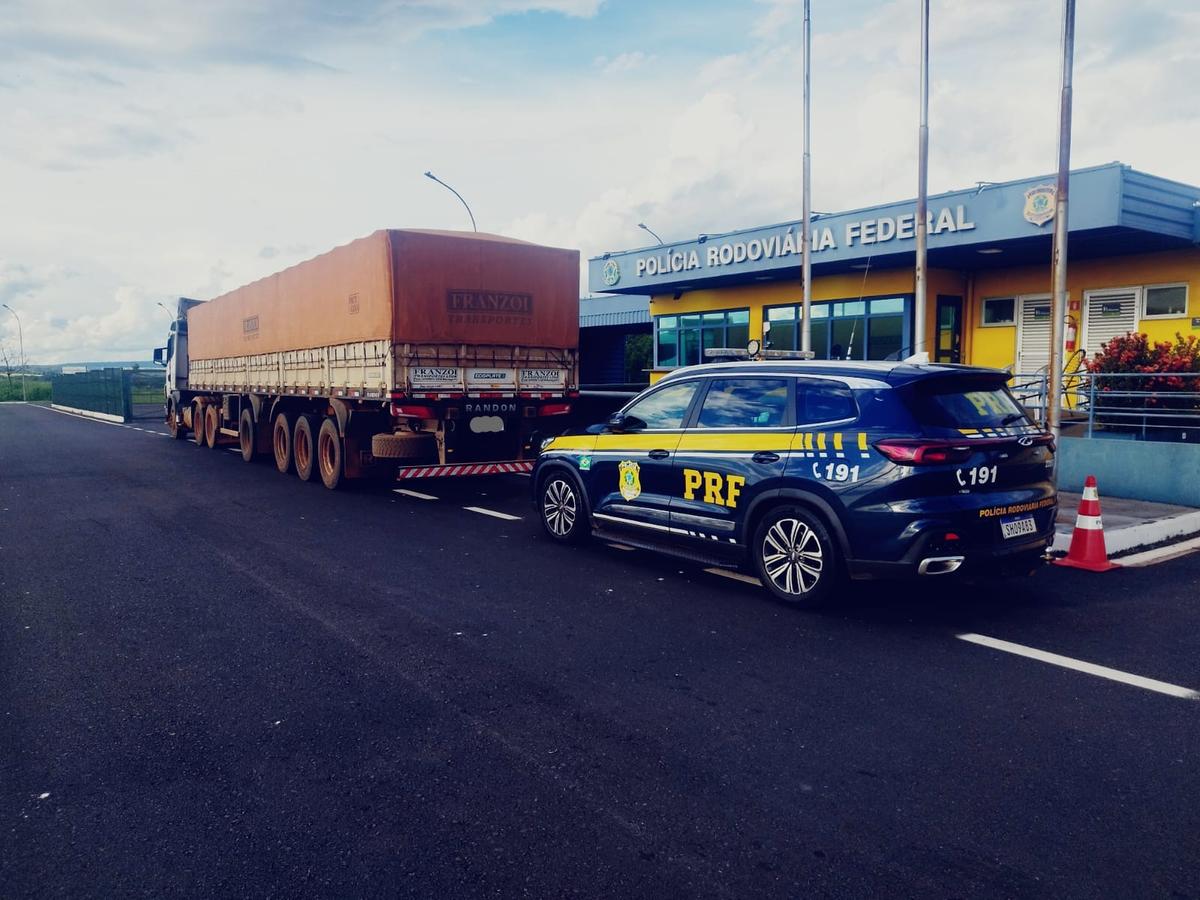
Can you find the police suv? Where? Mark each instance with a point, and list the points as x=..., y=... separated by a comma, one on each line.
x=809, y=472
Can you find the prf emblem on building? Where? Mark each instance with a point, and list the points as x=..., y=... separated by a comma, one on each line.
x=629, y=475
x=1039, y=204
x=611, y=272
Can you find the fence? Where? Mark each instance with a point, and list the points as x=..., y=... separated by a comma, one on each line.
x=104, y=391
x=1151, y=406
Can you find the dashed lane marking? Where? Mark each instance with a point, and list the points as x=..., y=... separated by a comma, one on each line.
x=407, y=493
x=735, y=576
x=1067, y=662
x=491, y=512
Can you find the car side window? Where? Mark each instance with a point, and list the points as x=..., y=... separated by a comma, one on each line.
x=662, y=409
x=816, y=403
x=744, y=403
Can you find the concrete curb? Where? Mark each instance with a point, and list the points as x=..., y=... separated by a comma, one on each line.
x=1131, y=537
x=89, y=414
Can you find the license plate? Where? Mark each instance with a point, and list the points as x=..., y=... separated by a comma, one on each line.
x=1012, y=528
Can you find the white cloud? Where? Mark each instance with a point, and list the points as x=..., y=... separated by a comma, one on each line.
x=191, y=150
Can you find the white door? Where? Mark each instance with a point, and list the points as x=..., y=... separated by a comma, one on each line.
x=1109, y=314
x=1033, y=334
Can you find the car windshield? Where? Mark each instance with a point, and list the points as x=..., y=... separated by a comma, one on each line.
x=965, y=403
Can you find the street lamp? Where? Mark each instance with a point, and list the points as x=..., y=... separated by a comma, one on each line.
x=642, y=225
x=166, y=309
x=433, y=177
x=21, y=340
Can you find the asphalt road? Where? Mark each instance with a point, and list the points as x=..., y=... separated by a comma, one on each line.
x=218, y=681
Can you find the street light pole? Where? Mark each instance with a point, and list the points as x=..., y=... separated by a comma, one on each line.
x=1058, y=309
x=806, y=191
x=644, y=227
x=167, y=310
x=456, y=194
x=21, y=345
x=919, y=304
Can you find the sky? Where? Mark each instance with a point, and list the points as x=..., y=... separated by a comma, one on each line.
x=151, y=149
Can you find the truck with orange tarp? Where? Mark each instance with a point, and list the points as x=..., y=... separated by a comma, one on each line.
x=408, y=352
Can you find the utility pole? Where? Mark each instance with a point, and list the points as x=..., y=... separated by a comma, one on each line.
x=806, y=190
x=21, y=345
x=1058, y=306
x=922, y=189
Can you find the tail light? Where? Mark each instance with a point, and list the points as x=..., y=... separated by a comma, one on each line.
x=922, y=453
x=410, y=411
x=554, y=409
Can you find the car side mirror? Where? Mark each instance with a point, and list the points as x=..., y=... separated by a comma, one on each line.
x=616, y=422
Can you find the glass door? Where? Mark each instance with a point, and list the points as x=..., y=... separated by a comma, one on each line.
x=948, y=343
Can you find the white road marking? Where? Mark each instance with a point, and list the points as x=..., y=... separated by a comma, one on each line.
x=736, y=576
x=491, y=512
x=1079, y=665
x=407, y=493
x=233, y=449
x=1159, y=554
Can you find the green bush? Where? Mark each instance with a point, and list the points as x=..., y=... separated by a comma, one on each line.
x=35, y=388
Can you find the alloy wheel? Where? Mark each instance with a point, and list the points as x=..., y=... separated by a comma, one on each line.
x=792, y=556
x=559, y=507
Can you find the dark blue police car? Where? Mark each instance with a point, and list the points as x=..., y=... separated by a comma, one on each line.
x=809, y=472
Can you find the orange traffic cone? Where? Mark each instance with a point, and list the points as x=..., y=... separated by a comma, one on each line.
x=1087, y=540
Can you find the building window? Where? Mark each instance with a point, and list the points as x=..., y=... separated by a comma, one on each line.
x=681, y=340
x=999, y=311
x=845, y=329
x=1166, y=301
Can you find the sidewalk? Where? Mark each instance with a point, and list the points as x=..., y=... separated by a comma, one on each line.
x=1129, y=524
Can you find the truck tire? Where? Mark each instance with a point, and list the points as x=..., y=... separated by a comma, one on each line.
x=304, y=445
x=403, y=445
x=198, y=423
x=330, y=454
x=247, y=435
x=281, y=442
x=212, y=427
x=174, y=426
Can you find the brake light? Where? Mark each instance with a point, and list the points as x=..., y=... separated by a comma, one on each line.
x=554, y=409
x=922, y=453
x=413, y=412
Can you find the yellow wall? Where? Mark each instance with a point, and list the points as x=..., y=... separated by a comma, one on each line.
x=992, y=346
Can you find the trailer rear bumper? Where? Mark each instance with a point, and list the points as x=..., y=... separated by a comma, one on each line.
x=516, y=467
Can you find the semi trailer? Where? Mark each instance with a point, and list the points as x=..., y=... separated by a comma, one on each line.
x=407, y=353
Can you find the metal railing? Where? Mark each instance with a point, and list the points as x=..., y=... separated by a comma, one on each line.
x=1150, y=406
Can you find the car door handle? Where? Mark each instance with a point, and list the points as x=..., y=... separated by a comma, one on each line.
x=659, y=454
x=765, y=456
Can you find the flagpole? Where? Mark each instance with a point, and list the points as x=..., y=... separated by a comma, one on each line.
x=806, y=228
x=1058, y=312
x=919, y=299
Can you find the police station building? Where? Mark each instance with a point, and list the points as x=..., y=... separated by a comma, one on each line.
x=1134, y=265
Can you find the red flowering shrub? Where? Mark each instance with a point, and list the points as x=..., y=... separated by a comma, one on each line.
x=1175, y=367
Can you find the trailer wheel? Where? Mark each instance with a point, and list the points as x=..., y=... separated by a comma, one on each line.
x=198, y=423
x=329, y=454
x=281, y=442
x=304, y=445
x=174, y=427
x=247, y=435
x=212, y=427
x=404, y=445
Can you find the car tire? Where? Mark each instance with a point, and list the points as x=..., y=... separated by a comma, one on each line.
x=281, y=442
x=329, y=454
x=212, y=427
x=174, y=426
x=198, y=423
x=247, y=435
x=304, y=446
x=794, y=557
x=562, y=510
